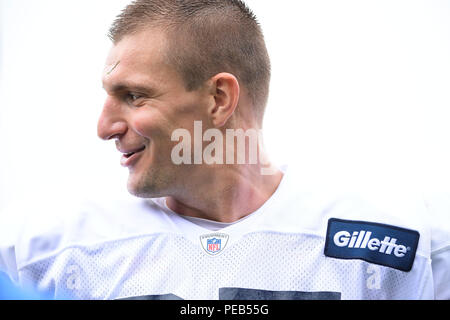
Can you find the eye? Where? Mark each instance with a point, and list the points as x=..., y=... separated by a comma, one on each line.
x=132, y=97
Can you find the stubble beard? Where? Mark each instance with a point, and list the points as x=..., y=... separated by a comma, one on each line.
x=153, y=183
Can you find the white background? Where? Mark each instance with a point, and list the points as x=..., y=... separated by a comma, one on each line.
x=360, y=95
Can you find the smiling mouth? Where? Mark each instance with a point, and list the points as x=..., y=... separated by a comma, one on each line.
x=130, y=159
x=129, y=155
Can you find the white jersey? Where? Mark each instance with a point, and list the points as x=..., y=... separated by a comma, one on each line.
x=298, y=245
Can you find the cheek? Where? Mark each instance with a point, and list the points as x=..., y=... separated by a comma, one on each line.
x=155, y=127
x=159, y=122
x=143, y=126
x=145, y=123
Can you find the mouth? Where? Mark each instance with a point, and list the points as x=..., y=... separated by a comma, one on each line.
x=130, y=154
x=130, y=158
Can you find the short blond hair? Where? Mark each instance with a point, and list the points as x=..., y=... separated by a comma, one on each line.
x=206, y=37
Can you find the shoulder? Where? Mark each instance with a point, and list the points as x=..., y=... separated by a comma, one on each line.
x=49, y=229
x=310, y=208
x=438, y=214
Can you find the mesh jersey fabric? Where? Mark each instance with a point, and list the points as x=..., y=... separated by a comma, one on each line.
x=138, y=249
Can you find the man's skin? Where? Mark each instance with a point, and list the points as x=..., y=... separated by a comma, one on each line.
x=147, y=101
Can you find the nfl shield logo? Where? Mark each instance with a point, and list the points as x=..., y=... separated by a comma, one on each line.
x=214, y=243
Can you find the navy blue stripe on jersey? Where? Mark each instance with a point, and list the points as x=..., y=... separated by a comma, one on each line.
x=254, y=294
x=155, y=297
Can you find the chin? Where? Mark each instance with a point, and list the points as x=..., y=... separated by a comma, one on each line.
x=144, y=186
x=139, y=191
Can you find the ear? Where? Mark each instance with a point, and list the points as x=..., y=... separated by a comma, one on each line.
x=226, y=91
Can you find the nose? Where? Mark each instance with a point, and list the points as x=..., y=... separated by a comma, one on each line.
x=111, y=123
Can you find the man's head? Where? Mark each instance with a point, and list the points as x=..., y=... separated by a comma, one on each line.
x=174, y=62
x=204, y=38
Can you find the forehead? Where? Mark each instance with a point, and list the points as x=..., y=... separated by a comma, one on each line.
x=137, y=58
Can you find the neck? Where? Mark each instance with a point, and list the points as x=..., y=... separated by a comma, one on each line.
x=226, y=193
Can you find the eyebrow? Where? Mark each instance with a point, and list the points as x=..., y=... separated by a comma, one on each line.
x=123, y=86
